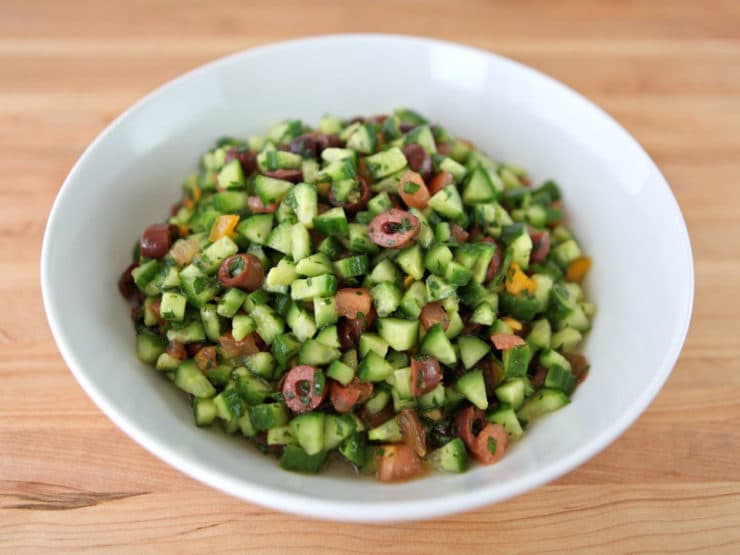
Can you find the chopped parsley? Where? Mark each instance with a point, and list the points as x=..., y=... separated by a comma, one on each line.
x=410, y=188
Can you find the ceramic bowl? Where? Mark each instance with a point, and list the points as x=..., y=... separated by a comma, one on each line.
x=618, y=204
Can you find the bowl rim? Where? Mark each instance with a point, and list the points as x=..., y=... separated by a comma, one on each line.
x=359, y=511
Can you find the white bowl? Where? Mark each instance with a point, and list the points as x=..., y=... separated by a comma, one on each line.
x=617, y=201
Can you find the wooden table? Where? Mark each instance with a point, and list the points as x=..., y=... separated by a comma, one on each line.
x=668, y=71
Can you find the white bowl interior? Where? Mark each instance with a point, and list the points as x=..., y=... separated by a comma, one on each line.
x=616, y=200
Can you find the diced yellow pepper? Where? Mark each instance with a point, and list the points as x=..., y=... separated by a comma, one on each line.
x=578, y=269
x=513, y=323
x=517, y=281
x=224, y=227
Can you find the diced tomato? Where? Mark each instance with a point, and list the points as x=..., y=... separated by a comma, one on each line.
x=206, y=358
x=184, y=251
x=353, y=302
x=459, y=233
x=176, y=350
x=503, y=341
x=413, y=431
x=396, y=462
x=440, y=181
x=426, y=374
x=232, y=348
x=413, y=190
x=345, y=397
x=257, y=207
x=434, y=313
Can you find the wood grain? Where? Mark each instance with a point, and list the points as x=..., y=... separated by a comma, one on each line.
x=668, y=71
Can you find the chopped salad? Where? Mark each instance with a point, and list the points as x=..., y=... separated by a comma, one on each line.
x=375, y=290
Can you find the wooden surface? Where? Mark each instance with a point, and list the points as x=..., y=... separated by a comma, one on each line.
x=669, y=72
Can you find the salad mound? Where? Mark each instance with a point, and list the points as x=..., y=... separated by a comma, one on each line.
x=375, y=290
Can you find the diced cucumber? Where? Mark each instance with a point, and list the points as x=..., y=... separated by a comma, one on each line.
x=456, y=274
x=281, y=275
x=483, y=314
x=516, y=361
x=325, y=311
x=252, y=388
x=300, y=242
x=269, y=324
x=539, y=335
x=314, y=265
x=448, y=204
x=281, y=238
x=296, y=459
x=389, y=431
x=190, y=379
x=271, y=190
x=149, y=346
x=451, y=457
x=410, y=261
x=204, y=412
x=198, y=287
x=211, y=322
x=318, y=286
x=352, y=266
x=241, y=326
x=167, y=363
x=386, y=298
x=565, y=253
x=513, y=391
x=413, y=300
x=385, y=163
x=231, y=302
x=213, y=255
x=337, y=428
x=359, y=242
x=472, y=349
x=262, y=364
x=400, y=334
x=373, y=342
x=329, y=336
x=301, y=322
x=560, y=378
x=373, y=368
x=436, y=344
x=229, y=406
x=340, y=372
x=363, y=139
x=478, y=188
x=229, y=202
x=354, y=450
x=332, y=222
x=438, y=289
x=542, y=402
x=231, y=174
x=314, y=353
x=268, y=415
x=308, y=429
x=280, y=436
x=473, y=386
x=506, y=416
x=385, y=270
x=566, y=340
x=550, y=358
x=522, y=306
x=187, y=332
x=284, y=348
x=270, y=160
